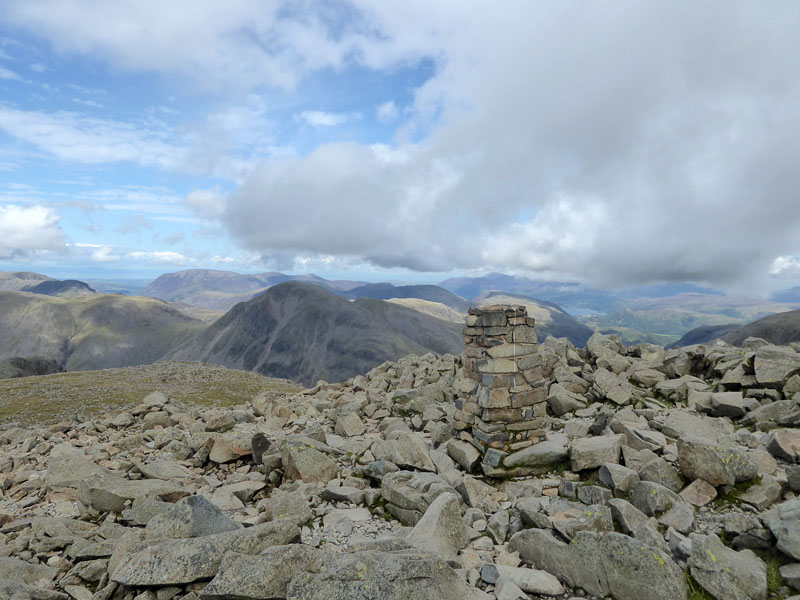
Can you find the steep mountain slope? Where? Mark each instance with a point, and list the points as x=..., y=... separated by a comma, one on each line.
x=69, y=288
x=431, y=293
x=21, y=280
x=551, y=319
x=11, y=368
x=303, y=332
x=782, y=328
x=90, y=332
x=705, y=334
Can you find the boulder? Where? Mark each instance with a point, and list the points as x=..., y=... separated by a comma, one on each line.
x=465, y=454
x=441, y=531
x=653, y=498
x=176, y=562
x=618, y=477
x=604, y=564
x=105, y=492
x=543, y=454
x=264, y=576
x=561, y=401
x=725, y=573
x=409, y=451
x=193, y=516
x=715, y=463
x=775, y=364
x=350, y=425
x=371, y=575
x=592, y=452
x=302, y=463
x=409, y=494
x=528, y=580
x=784, y=523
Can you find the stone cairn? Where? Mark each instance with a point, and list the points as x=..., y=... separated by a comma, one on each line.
x=505, y=405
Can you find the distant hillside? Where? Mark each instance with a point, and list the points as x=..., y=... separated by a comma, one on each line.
x=305, y=333
x=782, y=328
x=705, y=334
x=571, y=295
x=551, y=319
x=69, y=288
x=221, y=290
x=432, y=309
x=36, y=283
x=431, y=293
x=90, y=332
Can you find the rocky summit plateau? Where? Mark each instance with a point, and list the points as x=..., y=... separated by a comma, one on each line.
x=516, y=470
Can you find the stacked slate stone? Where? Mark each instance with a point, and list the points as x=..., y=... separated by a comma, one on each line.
x=504, y=411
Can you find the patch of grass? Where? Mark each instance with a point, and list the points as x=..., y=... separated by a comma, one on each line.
x=774, y=561
x=51, y=398
x=696, y=591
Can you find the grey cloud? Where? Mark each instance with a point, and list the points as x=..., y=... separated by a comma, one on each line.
x=623, y=142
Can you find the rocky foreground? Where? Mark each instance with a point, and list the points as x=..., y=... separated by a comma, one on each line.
x=661, y=476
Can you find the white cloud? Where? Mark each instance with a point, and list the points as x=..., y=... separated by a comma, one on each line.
x=160, y=257
x=785, y=265
x=29, y=229
x=8, y=74
x=84, y=139
x=104, y=254
x=623, y=142
x=319, y=118
x=209, y=203
x=387, y=112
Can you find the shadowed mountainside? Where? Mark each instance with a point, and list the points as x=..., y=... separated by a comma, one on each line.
x=27, y=367
x=551, y=319
x=780, y=329
x=36, y=283
x=90, y=332
x=704, y=334
x=303, y=332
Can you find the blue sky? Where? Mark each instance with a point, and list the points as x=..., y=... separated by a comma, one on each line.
x=621, y=144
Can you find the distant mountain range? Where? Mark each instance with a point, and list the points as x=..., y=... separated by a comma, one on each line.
x=304, y=332
x=91, y=332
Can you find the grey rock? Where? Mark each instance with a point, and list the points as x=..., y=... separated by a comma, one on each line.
x=793, y=477
x=762, y=495
x=350, y=425
x=19, y=571
x=291, y=506
x=409, y=494
x=784, y=444
x=465, y=454
x=715, y=463
x=264, y=576
x=539, y=455
x=193, y=516
x=441, y=530
x=409, y=451
x=175, y=562
x=604, y=564
x=163, y=469
x=725, y=573
x=561, y=401
x=635, y=523
x=371, y=575
x=775, y=364
x=698, y=493
x=660, y=471
x=592, y=452
x=791, y=575
x=108, y=493
x=505, y=589
x=681, y=422
x=19, y=591
x=68, y=470
x=528, y=580
x=593, y=494
x=618, y=477
x=653, y=498
x=303, y=463
x=679, y=516
x=784, y=522
x=727, y=404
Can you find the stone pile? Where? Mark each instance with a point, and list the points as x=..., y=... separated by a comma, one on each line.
x=660, y=474
x=505, y=407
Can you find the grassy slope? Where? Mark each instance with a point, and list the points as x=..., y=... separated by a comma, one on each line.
x=91, y=332
x=50, y=398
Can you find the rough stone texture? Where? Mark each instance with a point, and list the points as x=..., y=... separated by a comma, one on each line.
x=441, y=531
x=532, y=581
x=370, y=575
x=784, y=522
x=193, y=516
x=541, y=454
x=592, y=452
x=409, y=451
x=308, y=464
x=725, y=573
x=604, y=564
x=698, y=492
x=408, y=495
x=108, y=493
x=717, y=464
x=184, y=561
x=264, y=576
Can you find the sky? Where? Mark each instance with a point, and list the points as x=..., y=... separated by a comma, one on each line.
x=616, y=143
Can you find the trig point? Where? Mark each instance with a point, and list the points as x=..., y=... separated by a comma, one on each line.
x=505, y=408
